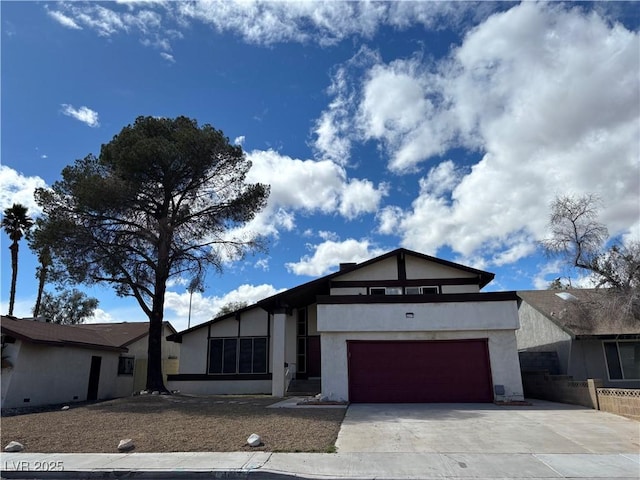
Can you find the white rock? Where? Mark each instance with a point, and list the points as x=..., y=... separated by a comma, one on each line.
x=144, y=392
x=125, y=445
x=155, y=392
x=66, y=407
x=14, y=447
x=254, y=440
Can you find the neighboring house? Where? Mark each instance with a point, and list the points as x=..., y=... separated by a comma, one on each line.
x=588, y=342
x=46, y=363
x=135, y=337
x=402, y=327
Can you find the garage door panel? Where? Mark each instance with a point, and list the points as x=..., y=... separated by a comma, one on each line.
x=419, y=371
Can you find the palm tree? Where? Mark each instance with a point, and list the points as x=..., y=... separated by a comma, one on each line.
x=16, y=223
x=37, y=243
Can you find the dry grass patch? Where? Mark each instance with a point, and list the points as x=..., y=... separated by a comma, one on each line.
x=176, y=423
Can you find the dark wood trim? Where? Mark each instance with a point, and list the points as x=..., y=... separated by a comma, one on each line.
x=402, y=267
x=204, y=377
x=436, y=298
x=423, y=282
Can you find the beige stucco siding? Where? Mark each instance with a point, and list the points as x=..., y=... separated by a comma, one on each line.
x=41, y=373
x=460, y=289
x=377, y=317
x=386, y=269
x=193, y=351
x=419, y=268
x=225, y=328
x=254, y=323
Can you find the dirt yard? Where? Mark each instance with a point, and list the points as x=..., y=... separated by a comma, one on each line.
x=176, y=423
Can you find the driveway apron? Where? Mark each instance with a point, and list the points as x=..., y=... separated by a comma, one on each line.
x=542, y=428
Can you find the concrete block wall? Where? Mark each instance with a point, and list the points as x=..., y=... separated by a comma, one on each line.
x=531, y=361
x=621, y=401
x=562, y=389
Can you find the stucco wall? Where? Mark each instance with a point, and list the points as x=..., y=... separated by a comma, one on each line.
x=386, y=269
x=419, y=268
x=538, y=333
x=588, y=361
x=505, y=368
x=193, y=351
x=50, y=375
x=254, y=323
x=378, y=317
x=495, y=321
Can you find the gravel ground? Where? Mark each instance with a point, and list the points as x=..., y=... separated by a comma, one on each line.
x=175, y=423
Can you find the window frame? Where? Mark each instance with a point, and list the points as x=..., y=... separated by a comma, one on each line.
x=236, y=344
x=619, y=359
x=421, y=290
x=124, y=360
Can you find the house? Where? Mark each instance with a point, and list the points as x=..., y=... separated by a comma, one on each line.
x=564, y=329
x=46, y=363
x=135, y=337
x=401, y=327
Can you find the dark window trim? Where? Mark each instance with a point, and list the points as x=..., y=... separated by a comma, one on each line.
x=444, y=298
x=187, y=377
x=133, y=366
x=617, y=343
x=237, y=363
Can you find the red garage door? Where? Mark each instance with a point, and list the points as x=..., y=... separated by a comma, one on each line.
x=419, y=371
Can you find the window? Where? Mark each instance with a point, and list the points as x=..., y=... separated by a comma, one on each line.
x=385, y=291
x=125, y=365
x=623, y=360
x=421, y=290
x=238, y=355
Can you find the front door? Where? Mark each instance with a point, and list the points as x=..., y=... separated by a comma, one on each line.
x=313, y=356
x=94, y=378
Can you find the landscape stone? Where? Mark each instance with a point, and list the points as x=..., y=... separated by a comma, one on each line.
x=254, y=440
x=125, y=445
x=155, y=392
x=66, y=407
x=14, y=446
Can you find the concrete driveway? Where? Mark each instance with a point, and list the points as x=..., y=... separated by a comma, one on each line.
x=543, y=427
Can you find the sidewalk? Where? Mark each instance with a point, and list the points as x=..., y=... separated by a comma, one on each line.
x=266, y=465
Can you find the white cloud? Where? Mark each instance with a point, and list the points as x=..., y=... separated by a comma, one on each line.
x=328, y=255
x=63, y=20
x=547, y=95
x=239, y=140
x=17, y=188
x=261, y=22
x=305, y=186
x=361, y=196
x=168, y=57
x=83, y=114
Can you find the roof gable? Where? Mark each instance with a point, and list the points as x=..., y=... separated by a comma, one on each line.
x=306, y=293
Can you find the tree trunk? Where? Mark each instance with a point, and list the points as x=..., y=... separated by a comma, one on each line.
x=42, y=275
x=155, y=380
x=14, y=275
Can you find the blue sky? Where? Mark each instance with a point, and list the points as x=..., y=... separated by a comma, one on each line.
x=446, y=128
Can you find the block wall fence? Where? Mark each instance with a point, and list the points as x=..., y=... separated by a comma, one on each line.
x=590, y=393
